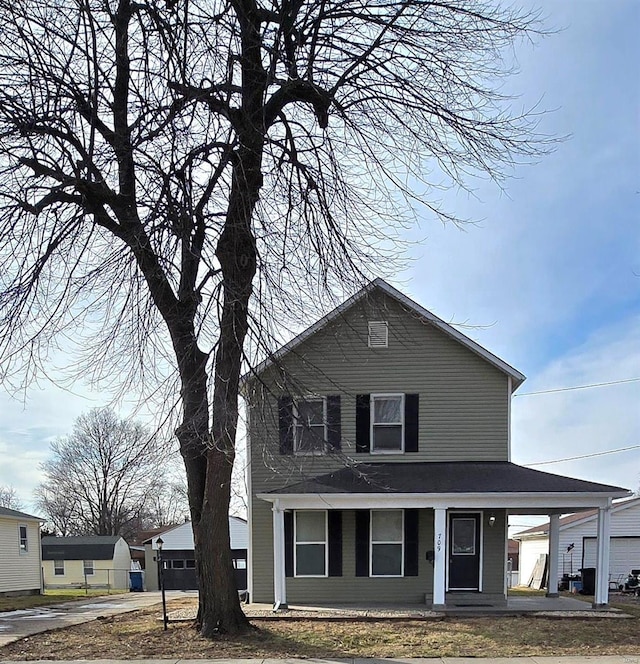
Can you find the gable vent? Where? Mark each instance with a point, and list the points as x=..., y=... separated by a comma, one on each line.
x=378, y=334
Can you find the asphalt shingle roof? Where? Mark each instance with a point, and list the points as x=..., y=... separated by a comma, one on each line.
x=444, y=477
x=5, y=511
x=95, y=547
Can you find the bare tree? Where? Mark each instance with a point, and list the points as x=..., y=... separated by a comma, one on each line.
x=9, y=498
x=161, y=161
x=102, y=477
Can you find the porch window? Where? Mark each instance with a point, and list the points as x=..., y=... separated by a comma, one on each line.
x=310, y=537
x=310, y=432
x=58, y=567
x=387, y=543
x=88, y=568
x=387, y=423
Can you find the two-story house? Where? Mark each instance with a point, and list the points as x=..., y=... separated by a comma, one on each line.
x=379, y=449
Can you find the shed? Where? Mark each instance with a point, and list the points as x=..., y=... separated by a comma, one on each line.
x=578, y=541
x=96, y=561
x=19, y=553
x=178, y=555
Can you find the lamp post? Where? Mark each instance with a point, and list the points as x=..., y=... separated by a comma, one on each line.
x=165, y=620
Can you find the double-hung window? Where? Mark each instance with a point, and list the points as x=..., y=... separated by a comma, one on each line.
x=310, y=537
x=387, y=543
x=310, y=432
x=88, y=568
x=23, y=539
x=58, y=567
x=387, y=423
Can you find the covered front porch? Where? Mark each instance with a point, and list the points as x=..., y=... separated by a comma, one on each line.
x=453, y=557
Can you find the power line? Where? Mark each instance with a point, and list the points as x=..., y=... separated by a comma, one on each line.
x=579, y=387
x=586, y=456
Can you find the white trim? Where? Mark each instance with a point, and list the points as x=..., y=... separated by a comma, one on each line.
x=602, y=557
x=310, y=398
x=402, y=545
x=279, y=577
x=565, y=501
x=440, y=537
x=85, y=567
x=372, y=422
x=389, y=290
x=23, y=551
x=55, y=568
x=554, y=553
x=325, y=544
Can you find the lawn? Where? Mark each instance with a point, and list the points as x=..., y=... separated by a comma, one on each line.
x=140, y=635
x=50, y=597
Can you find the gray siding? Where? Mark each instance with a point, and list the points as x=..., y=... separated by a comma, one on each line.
x=350, y=588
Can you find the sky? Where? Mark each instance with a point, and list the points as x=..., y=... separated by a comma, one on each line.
x=548, y=279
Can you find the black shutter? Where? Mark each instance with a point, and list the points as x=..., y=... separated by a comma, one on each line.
x=285, y=423
x=288, y=543
x=410, y=422
x=411, y=545
x=334, y=424
x=363, y=423
x=334, y=518
x=362, y=542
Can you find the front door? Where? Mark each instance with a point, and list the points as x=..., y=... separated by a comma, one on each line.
x=464, y=551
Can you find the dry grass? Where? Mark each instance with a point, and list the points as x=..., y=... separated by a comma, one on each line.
x=50, y=597
x=140, y=635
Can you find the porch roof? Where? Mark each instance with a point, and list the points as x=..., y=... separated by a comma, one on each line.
x=458, y=477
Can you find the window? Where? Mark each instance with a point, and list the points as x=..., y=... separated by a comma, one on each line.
x=310, y=417
x=177, y=564
x=387, y=422
x=378, y=334
x=88, y=567
x=387, y=543
x=190, y=564
x=24, y=541
x=310, y=539
x=58, y=567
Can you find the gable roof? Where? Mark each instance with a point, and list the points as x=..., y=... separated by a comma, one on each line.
x=5, y=511
x=180, y=538
x=573, y=519
x=94, y=547
x=381, y=285
x=444, y=477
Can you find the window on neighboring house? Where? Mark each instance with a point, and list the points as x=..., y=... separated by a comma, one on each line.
x=387, y=543
x=58, y=567
x=387, y=422
x=24, y=540
x=177, y=564
x=310, y=537
x=190, y=563
x=88, y=568
x=310, y=432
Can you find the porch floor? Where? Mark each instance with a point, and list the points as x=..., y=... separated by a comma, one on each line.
x=556, y=606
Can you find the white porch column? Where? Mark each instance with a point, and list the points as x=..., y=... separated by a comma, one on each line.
x=440, y=556
x=554, y=554
x=279, y=578
x=602, y=560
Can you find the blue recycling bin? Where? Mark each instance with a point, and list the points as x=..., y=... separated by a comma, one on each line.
x=135, y=582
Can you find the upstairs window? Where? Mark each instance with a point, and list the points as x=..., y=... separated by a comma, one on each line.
x=58, y=567
x=387, y=422
x=378, y=334
x=23, y=539
x=310, y=432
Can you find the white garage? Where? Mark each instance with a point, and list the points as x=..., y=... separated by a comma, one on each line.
x=577, y=548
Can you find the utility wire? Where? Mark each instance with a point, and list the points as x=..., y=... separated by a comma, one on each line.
x=579, y=387
x=586, y=456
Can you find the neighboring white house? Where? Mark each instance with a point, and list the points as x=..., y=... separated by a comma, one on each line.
x=19, y=553
x=179, y=567
x=95, y=561
x=578, y=542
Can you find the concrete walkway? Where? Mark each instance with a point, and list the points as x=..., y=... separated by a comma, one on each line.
x=613, y=659
x=16, y=625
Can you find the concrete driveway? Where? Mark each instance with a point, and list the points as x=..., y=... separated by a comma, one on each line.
x=16, y=625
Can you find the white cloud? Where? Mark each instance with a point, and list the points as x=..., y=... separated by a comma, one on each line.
x=590, y=421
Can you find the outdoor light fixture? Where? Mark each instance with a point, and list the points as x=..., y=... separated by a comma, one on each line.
x=492, y=520
x=159, y=544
